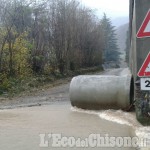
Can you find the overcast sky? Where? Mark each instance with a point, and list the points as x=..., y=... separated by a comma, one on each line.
x=112, y=8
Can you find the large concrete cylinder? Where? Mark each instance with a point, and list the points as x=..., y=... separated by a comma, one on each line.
x=101, y=92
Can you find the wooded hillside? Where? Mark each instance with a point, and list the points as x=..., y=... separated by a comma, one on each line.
x=49, y=36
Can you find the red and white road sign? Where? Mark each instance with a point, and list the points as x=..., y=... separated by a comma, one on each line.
x=144, y=30
x=145, y=69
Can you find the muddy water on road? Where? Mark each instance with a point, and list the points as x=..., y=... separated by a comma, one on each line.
x=124, y=118
x=20, y=128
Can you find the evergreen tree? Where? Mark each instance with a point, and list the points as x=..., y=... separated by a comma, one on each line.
x=110, y=51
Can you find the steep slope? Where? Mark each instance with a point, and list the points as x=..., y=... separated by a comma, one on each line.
x=117, y=22
x=121, y=32
x=121, y=36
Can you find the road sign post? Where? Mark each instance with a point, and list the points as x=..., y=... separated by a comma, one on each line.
x=145, y=69
x=144, y=30
x=145, y=84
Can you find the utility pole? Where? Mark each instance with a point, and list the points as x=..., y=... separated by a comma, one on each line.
x=139, y=56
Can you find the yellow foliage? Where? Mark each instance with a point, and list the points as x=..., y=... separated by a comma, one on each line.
x=20, y=55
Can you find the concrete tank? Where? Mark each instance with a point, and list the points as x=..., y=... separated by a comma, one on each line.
x=101, y=92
